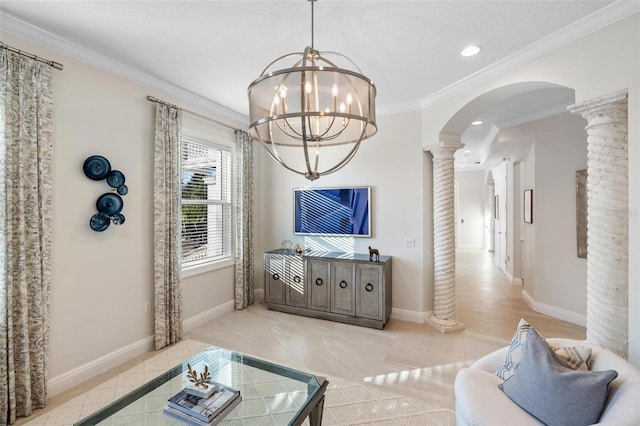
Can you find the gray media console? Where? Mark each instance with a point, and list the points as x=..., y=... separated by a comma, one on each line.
x=344, y=287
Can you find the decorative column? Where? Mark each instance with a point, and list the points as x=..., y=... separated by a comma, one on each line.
x=607, y=221
x=444, y=239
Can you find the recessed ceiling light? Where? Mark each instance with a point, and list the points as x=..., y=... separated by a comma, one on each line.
x=476, y=123
x=467, y=150
x=470, y=50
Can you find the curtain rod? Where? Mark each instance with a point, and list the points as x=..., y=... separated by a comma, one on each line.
x=220, y=123
x=54, y=64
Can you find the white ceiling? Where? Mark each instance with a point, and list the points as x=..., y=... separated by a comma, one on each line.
x=410, y=49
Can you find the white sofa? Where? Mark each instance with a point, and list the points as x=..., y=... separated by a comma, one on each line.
x=479, y=401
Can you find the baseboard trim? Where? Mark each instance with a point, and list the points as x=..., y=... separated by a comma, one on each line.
x=406, y=315
x=98, y=366
x=554, y=311
x=206, y=316
x=509, y=276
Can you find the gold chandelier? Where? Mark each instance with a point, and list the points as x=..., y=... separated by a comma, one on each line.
x=312, y=104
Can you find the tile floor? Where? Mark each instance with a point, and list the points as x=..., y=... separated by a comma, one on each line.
x=413, y=359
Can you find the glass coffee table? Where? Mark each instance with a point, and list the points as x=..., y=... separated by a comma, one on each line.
x=271, y=394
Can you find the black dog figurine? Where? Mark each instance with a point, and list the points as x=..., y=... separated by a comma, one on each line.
x=374, y=252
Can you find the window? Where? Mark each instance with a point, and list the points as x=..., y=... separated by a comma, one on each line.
x=206, y=203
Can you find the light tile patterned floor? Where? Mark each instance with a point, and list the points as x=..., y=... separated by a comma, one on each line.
x=408, y=359
x=347, y=403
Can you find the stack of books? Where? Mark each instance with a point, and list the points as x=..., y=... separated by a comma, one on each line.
x=203, y=407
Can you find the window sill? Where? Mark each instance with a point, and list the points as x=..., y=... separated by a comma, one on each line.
x=208, y=267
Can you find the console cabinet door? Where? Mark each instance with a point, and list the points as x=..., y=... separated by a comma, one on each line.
x=318, y=285
x=369, y=291
x=343, y=288
x=275, y=269
x=294, y=285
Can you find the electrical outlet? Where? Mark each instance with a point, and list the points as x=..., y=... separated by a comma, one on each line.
x=409, y=242
x=147, y=307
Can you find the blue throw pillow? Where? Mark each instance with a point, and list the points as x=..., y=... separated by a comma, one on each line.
x=556, y=395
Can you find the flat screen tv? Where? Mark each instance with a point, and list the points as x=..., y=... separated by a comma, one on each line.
x=332, y=211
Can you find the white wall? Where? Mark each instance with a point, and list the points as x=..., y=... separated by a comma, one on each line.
x=561, y=150
x=101, y=281
x=600, y=63
x=557, y=285
x=392, y=164
x=470, y=220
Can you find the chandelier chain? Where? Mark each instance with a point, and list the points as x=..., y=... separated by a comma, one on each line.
x=312, y=24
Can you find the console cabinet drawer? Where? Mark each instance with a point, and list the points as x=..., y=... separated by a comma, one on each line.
x=369, y=291
x=275, y=272
x=294, y=286
x=284, y=280
x=318, y=284
x=343, y=295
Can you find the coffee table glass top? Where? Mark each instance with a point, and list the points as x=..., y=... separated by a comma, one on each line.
x=271, y=394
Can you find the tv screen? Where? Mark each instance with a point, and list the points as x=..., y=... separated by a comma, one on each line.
x=332, y=211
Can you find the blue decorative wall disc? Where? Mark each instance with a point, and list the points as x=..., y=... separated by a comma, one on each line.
x=96, y=167
x=109, y=204
x=99, y=222
x=115, y=178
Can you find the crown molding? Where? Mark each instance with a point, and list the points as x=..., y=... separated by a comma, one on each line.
x=597, y=20
x=76, y=51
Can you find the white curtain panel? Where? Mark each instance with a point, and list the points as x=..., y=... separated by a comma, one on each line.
x=243, y=236
x=26, y=106
x=166, y=227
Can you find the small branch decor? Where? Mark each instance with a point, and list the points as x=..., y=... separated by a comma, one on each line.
x=202, y=380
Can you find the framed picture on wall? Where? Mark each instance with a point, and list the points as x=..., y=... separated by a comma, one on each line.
x=528, y=206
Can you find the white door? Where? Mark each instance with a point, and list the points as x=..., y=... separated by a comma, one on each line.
x=502, y=208
x=500, y=177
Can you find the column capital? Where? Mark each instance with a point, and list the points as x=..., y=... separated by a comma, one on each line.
x=596, y=104
x=447, y=146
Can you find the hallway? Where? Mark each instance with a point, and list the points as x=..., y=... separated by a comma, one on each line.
x=490, y=305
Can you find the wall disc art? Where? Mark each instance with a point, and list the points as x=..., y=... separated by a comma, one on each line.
x=109, y=204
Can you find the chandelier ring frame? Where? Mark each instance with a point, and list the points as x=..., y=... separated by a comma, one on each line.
x=312, y=69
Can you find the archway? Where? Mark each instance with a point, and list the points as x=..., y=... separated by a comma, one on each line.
x=450, y=137
x=607, y=321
